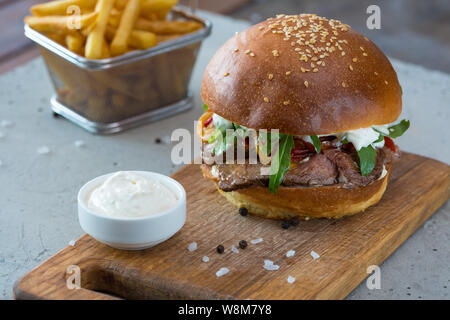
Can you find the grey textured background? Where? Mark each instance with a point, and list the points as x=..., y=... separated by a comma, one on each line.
x=38, y=192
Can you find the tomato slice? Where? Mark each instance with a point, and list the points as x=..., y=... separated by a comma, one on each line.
x=301, y=150
x=390, y=144
x=207, y=121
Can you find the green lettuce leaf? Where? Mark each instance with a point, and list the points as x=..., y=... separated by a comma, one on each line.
x=205, y=107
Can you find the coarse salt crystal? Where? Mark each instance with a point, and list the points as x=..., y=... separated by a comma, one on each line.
x=205, y=259
x=7, y=124
x=79, y=143
x=268, y=265
x=290, y=253
x=166, y=140
x=255, y=241
x=192, y=246
x=234, y=249
x=291, y=279
x=222, y=271
x=72, y=243
x=43, y=150
x=314, y=255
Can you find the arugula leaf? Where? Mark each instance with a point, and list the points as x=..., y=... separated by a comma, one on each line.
x=266, y=141
x=367, y=156
x=281, y=161
x=316, y=143
x=398, y=129
x=344, y=140
x=380, y=138
x=205, y=107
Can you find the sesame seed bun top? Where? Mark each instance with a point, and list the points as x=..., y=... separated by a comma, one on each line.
x=303, y=75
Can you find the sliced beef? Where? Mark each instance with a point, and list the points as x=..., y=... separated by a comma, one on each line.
x=331, y=167
x=236, y=176
x=349, y=172
x=317, y=171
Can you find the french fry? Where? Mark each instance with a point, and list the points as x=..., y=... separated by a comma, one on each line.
x=119, y=100
x=162, y=38
x=75, y=42
x=57, y=37
x=138, y=39
x=120, y=4
x=58, y=24
x=106, y=53
x=59, y=8
x=94, y=41
x=114, y=17
x=152, y=6
x=119, y=45
x=142, y=39
x=167, y=27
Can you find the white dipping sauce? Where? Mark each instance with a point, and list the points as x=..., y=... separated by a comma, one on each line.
x=128, y=194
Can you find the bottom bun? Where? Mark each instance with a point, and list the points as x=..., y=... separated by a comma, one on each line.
x=308, y=202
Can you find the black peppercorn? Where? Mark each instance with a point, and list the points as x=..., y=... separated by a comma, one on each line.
x=285, y=224
x=243, y=211
x=158, y=140
x=295, y=221
x=243, y=244
x=220, y=248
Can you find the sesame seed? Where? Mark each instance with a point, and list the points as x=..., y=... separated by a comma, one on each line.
x=386, y=82
x=376, y=73
x=365, y=54
x=355, y=59
x=286, y=103
x=236, y=50
x=350, y=67
x=270, y=76
x=247, y=51
x=288, y=73
x=266, y=99
x=252, y=54
x=344, y=84
x=306, y=83
x=362, y=49
x=315, y=70
x=226, y=74
x=314, y=36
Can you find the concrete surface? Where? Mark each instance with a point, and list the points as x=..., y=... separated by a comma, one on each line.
x=415, y=31
x=38, y=191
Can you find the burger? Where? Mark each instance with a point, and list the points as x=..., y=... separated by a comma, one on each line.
x=332, y=96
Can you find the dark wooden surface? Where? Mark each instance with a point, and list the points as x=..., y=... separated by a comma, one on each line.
x=417, y=188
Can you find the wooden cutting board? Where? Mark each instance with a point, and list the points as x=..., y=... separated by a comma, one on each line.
x=418, y=187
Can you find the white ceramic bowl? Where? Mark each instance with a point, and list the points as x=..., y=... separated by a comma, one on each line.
x=132, y=233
